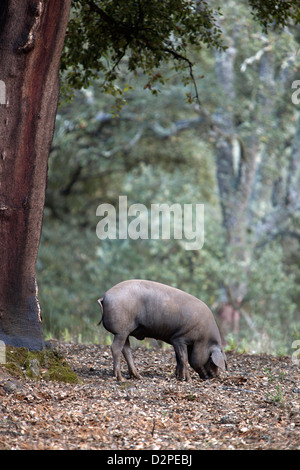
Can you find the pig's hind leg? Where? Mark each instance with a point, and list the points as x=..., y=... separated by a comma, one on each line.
x=129, y=359
x=116, y=349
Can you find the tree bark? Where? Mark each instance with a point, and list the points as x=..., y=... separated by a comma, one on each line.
x=242, y=163
x=236, y=167
x=31, y=40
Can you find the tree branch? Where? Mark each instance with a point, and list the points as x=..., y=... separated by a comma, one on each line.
x=105, y=17
x=190, y=64
x=74, y=178
x=280, y=233
x=175, y=127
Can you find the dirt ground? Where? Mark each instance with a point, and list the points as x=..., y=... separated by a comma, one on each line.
x=255, y=405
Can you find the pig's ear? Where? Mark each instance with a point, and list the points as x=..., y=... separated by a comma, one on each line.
x=219, y=359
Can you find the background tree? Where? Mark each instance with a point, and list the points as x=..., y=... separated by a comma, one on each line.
x=31, y=39
x=169, y=151
x=256, y=144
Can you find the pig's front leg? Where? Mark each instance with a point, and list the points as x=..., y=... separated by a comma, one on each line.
x=182, y=372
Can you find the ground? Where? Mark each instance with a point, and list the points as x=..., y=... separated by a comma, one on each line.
x=254, y=405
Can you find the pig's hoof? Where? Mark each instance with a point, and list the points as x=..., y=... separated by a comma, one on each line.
x=183, y=376
x=135, y=375
x=119, y=377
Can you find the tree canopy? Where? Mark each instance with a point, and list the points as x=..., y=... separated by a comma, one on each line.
x=143, y=35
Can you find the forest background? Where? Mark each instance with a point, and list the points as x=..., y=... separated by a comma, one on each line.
x=237, y=152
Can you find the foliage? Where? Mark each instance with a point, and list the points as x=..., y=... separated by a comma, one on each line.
x=163, y=150
x=275, y=12
x=143, y=35
x=101, y=34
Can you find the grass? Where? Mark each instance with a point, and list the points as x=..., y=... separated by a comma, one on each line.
x=37, y=365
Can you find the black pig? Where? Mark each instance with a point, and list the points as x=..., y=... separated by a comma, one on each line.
x=143, y=308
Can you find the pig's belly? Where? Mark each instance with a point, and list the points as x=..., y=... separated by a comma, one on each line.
x=161, y=333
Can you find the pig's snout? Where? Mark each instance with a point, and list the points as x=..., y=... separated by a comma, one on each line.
x=209, y=371
x=216, y=361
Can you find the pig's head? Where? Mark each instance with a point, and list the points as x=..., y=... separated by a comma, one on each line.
x=207, y=361
x=216, y=361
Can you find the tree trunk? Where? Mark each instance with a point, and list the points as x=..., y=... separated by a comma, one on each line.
x=255, y=208
x=236, y=166
x=31, y=39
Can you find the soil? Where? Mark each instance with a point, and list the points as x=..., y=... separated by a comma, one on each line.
x=254, y=405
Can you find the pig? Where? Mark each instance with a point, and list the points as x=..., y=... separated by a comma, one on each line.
x=142, y=308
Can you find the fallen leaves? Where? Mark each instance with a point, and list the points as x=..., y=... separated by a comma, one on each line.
x=253, y=406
